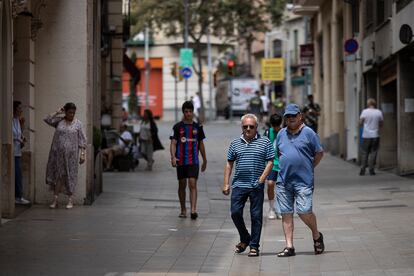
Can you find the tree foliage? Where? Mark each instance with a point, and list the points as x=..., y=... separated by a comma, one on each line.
x=239, y=20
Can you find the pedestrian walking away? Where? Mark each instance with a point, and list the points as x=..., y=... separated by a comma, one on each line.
x=271, y=133
x=186, y=143
x=299, y=151
x=68, y=140
x=256, y=105
x=253, y=155
x=372, y=120
x=148, y=138
x=265, y=105
x=311, y=113
x=18, y=142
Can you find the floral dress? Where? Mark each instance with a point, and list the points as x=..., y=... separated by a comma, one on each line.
x=63, y=161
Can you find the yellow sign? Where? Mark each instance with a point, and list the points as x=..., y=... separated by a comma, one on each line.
x=273, y=69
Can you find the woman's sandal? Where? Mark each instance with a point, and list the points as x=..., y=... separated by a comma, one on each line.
x=318, y=245
x=287, y=252
x=254, y=252
x=240, y=247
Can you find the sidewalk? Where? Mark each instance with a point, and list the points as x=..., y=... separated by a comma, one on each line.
x=133, y=228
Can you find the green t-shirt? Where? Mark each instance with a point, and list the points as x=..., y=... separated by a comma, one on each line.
x=271, y=134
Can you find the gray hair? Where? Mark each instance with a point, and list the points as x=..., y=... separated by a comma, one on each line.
x=249, y=115
x=371, y=102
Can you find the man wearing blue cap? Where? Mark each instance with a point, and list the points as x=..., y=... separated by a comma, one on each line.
x=299, y=151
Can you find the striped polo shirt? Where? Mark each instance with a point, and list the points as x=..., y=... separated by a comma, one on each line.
x=188, y=137
x=251, y=159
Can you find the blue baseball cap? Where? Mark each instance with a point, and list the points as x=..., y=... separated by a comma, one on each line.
x=291, y=109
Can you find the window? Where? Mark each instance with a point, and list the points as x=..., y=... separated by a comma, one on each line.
x=369, y=15
x=355, y=18
x=384, y=11
x=277, y=48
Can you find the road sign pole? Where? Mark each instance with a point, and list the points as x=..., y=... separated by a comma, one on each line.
x=231, y=99
x=175, y=94
x=186, y=42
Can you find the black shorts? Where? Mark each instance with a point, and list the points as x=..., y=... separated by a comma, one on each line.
x=187, y=171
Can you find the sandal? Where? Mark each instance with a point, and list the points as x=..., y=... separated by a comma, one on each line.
x=254, y=252
x=318, y=245
x=287, y=252
x=194, y=216
x=240, y=247
x=182, y=215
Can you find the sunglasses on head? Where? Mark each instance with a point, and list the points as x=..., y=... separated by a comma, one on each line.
x=248, y=126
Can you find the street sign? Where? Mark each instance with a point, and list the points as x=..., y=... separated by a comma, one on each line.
x=306, y=54
x=186, y=57
x=351, y=46
x=186, y=72
x=273, y=69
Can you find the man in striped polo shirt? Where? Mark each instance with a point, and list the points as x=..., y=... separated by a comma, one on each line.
x=186, y=142
x=253, y=155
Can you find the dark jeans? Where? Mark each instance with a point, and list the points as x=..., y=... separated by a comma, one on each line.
x=369, y=151
x=239, y=197
x=18, y=177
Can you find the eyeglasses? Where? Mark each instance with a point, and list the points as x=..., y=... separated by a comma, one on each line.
x=249, y=127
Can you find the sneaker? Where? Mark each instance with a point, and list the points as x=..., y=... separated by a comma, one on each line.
x=54, y=205
x=69, y=205
x=362, y=172
x=371, y=172
x=22, y=201
x=278, y=216
x=271, y=214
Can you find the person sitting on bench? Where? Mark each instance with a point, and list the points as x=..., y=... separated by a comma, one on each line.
x=125, y=139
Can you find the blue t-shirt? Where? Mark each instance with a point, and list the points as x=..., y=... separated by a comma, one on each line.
x=251, y=159
x=296, y=155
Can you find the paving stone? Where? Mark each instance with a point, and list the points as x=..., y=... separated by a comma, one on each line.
x=133, y=227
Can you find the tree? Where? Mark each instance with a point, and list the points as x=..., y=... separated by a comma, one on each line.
x=252, y=18
x=236, y=19
x=168, y=16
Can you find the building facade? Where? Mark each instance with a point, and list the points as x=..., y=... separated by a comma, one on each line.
x=50, y=54
x=379, y=67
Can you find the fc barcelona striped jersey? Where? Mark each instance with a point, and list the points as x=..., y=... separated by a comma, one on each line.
x=188, y=137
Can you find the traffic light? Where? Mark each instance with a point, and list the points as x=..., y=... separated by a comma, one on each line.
x=173, y=67
x=231, y=66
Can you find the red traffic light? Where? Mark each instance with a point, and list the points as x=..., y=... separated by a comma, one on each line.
x=230, y=63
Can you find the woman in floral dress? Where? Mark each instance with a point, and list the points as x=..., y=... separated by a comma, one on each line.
x=68, y=148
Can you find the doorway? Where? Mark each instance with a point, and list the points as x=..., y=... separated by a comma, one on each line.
x=388, y=154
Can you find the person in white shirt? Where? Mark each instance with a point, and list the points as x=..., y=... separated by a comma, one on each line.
x=372, y=120
x=121, y=149
x=265, y=106
x=197, y=105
